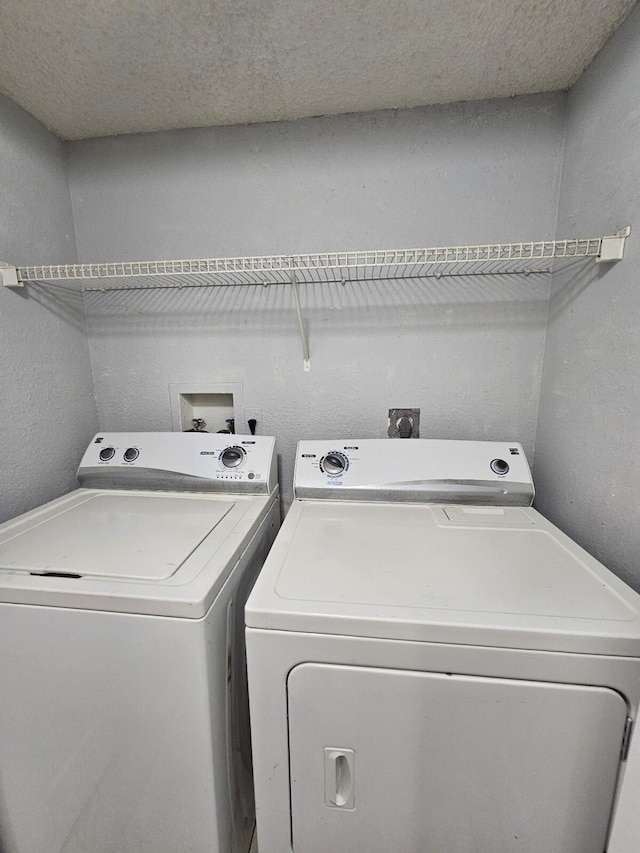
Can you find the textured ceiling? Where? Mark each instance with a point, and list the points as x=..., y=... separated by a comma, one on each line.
x=99, y=67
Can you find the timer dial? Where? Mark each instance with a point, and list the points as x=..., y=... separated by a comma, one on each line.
x=232, y=457
x=334, y=463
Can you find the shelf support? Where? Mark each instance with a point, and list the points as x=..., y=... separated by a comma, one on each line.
x=303, y=331
x=9, y=276
x=612, y=248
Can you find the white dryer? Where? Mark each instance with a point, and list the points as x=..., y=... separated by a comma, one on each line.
x=123, y=707
x=433, y=666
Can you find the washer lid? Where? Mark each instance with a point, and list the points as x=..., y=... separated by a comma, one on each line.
x=115, y=535
x=482, y=575
x=154, y=553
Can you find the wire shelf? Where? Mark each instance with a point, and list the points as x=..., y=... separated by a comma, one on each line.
x=362, y=266
x=490, y=259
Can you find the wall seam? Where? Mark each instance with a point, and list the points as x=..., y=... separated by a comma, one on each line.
x=550, y=281
x=66, y=148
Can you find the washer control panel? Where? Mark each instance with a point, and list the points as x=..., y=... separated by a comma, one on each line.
x=424, y=470
x=180, y=461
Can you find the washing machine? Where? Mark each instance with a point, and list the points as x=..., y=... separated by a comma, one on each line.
x=123, y=699
x=433, y=666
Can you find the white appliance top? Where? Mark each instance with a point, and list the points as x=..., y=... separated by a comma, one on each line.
x=414, y=470
x=476, y=575
x=154, y=552
x=132, y=536
x=180, y=461
x=158, y=553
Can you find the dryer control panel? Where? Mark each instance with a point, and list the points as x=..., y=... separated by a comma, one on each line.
x=427, y=470
x=180, y=461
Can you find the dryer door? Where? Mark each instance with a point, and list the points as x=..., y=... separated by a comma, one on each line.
x=391, y=760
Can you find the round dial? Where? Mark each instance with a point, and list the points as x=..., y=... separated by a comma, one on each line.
x=131, y=454
x=107, y=453
x=334, y=463
x=232, y=457
x=499, y=466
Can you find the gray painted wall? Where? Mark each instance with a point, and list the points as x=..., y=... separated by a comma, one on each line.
x=588, y=443
x=48, y=412
x=467, y=351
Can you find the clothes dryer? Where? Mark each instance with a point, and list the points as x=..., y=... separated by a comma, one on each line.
x=433, y=666
x=123, y=707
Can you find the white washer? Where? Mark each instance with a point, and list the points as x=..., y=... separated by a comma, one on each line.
x=433, y=666
x=123, y=706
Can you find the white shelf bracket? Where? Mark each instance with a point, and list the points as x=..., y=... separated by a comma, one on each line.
x=612, y=248
x=9, y=276
x=303, y=331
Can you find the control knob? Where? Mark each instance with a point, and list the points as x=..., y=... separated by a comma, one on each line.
x=499, y=466
x=107, y=453
x=334, y=463
x=232, y=457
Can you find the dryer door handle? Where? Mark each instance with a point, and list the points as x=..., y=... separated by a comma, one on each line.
x=338, y=778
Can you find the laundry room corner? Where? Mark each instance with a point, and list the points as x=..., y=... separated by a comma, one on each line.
x=46, y=388
x=587, y=465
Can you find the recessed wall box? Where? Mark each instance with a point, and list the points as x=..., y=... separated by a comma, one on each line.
x=214, y=403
